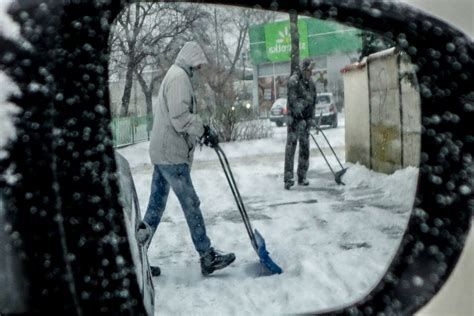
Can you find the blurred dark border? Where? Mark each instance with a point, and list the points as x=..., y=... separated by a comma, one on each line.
x=65, y=222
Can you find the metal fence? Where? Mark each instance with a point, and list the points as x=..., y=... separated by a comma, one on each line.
x=131, y=130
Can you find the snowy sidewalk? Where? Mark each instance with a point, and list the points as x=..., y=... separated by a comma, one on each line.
x=333, y=242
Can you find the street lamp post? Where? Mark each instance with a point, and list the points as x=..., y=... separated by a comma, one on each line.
x=244, y=57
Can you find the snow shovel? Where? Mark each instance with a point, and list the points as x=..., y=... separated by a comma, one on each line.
x=256, y=238
x=337, y=175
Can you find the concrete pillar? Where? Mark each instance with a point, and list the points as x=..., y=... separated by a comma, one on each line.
x=356, y=112
x=411, y=113
x=385, y=117
x=382, y=112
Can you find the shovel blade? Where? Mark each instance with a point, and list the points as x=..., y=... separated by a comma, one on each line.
x=338, y=175
x=263, y=254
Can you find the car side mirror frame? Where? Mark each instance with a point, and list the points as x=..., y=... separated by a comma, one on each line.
x=63, y=226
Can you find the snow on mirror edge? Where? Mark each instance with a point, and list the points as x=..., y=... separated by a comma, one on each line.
x=11, y=30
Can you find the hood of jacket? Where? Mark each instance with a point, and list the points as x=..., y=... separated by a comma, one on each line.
x=190, y=56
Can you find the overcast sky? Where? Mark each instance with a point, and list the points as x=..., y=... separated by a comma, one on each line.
x=459, y=13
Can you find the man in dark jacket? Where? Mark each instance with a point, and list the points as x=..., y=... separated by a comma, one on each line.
x=301, y=103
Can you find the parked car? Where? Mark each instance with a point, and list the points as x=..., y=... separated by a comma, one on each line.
x=279, y=112
x=129, y=200
x=326, y=110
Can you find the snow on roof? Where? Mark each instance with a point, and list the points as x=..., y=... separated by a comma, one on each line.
x=359, y=65
x=354, y=66
x=382, y=54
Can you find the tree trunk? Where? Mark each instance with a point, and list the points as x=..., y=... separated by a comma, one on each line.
x=295, y=41
x=127, y=91
x=147, y=91
x=148, y=100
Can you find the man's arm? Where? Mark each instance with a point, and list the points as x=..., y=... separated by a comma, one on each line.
x=295, y=104
x=315, y=99
x=179, y=98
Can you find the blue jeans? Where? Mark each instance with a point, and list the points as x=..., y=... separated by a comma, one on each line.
x=179, y=178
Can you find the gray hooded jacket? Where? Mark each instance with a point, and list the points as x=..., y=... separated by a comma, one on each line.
x=176, y=126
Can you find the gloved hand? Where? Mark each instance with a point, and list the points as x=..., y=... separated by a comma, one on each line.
x=210, y=137
x=312, y=123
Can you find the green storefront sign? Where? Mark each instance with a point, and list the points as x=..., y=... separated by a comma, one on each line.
x=271, y=42
x=278, y=40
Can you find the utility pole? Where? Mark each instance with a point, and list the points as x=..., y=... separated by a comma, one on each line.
x=244, y=57
x=295, y=41
x=244, y=91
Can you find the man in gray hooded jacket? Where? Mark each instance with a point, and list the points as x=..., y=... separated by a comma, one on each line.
x=176, y=130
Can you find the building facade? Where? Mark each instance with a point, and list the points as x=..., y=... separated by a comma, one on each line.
x=330, y=45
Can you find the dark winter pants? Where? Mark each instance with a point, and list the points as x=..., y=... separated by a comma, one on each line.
x=297, y=132
x=177, y=177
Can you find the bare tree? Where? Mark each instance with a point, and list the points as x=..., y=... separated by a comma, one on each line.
x=125, y=41
x=372, y=43
x=223, y=51
x=144, y=34
x=224, y=35
x=149, y=36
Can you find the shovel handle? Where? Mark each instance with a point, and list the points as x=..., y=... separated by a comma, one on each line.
x=235, y=192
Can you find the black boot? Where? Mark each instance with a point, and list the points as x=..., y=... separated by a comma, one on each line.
x=289, y=184
x=143, y=234
x=303, y=181
x=155, y=271
x=214, y=260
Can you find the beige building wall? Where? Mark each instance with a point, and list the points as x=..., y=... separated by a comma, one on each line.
x=382, y=112
x=356, y=112
x=411, y=114
x=385, y=120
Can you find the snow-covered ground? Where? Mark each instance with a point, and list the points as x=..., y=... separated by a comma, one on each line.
x=333, y=242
